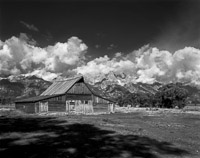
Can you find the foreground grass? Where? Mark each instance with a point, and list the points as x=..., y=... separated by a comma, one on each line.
x=136, y=134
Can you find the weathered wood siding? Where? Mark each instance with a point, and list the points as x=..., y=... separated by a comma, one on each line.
x=111, y=108
x=100, y=107
x=79, y=88
x=58, y=98
x=37, y=107
x=78, y=97
x=79, y=106
x=88, y=108
x=43, y=106
x=54, y=106
x=99, y=100
x=26, y=107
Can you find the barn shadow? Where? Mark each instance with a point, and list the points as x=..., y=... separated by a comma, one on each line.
x=40, y=137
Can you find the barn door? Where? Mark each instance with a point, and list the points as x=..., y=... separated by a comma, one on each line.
x=70, y=106
x=43, y=107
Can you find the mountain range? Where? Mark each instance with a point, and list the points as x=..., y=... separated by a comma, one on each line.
x=115, y=85
x=111, y=85
x=15, y=87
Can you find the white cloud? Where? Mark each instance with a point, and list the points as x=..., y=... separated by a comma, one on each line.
x=42, y=73
x=118, y=54
x=17, y=56
x=148, y=65
x=101, y=66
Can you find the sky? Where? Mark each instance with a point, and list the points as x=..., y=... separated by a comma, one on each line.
x=106, y=32
x=105, y=26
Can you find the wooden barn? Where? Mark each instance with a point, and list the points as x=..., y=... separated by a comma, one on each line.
x=72, y=95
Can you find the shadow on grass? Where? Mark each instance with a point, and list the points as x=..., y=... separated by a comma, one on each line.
x=40, y=137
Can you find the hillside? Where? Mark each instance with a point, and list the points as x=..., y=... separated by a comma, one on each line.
x=21, y=87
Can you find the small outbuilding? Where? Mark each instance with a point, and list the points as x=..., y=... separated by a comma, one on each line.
x=71, y=95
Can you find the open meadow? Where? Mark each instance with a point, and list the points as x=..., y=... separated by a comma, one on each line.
x=126, y=135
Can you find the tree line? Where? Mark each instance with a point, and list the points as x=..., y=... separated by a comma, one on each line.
x=167, y=96
x=6, y=100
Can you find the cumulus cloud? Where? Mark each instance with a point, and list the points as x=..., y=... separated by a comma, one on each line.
x=153, y=64
x=28, y=39
x=102, y=66
x=29, y=26
x=148, y=65
x=186, y=65
x=21, y=56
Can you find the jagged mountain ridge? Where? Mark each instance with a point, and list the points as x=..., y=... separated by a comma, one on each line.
x=111, y=86
x=116, y=85
x=115, y=90
x=22, y=86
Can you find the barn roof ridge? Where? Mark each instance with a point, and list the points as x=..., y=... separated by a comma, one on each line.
x=61, y=87
x=67, y=79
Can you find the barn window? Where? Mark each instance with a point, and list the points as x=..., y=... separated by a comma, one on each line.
x=84, y=101
x=72, y=102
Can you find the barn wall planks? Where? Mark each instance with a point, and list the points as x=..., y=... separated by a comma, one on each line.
x=99, y=100
x=37, y=107
x=54, y=106
x=78, y=97
x=88, y=108
x=111, y=108
x=43, y=106
x=58, y=98
x=79, y=106
x=100, y=107
x=79, y=88
x=26, y=107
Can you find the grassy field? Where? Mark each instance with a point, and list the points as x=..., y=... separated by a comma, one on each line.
x=136, y=134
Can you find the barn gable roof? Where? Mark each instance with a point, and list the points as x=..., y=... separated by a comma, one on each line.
x=35, y=99
x=61, y=87
x=99, y=93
